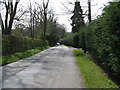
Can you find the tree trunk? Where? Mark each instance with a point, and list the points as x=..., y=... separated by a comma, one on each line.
x=45, y=27
x=1, y=23
x=7, y=28
x=12, y=15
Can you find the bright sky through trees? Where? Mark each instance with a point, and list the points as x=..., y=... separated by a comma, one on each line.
x=62, y=13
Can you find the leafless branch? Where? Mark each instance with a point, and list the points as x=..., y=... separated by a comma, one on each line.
x=67, y=8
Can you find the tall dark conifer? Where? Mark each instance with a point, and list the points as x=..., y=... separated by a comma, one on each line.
x=77, y=18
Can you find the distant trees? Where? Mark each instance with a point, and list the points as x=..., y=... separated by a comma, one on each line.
x=77, y=24
x=71, y=39
x=9, y=16
x=55, y=32
x=34, y=26
x=50, y=32
x=77, y=18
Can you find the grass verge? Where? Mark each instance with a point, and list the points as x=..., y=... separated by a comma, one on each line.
x=93, y=75
x=18, y=56
x=69, y=46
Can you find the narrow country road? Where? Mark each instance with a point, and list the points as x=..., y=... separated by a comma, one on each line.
x=51, y=68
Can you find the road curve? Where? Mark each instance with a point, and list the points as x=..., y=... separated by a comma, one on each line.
x=51, y=68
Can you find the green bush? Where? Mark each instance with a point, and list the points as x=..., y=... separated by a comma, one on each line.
x=71, y=40
x=78, y=52
x=17, y=56
x=12, y=44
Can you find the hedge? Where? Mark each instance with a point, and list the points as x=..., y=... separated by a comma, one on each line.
x=102, y=38
x=13, y=44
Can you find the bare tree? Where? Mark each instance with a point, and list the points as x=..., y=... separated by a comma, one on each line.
x=45, y=10
x=1, y=20
x=10, y=12
x=20, y=14
x=42, y=16
x=31, y=14
x=33, y=19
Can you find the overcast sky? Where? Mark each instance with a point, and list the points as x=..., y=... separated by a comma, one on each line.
x=62, y=13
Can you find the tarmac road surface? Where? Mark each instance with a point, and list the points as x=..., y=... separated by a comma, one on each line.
x=52, y=68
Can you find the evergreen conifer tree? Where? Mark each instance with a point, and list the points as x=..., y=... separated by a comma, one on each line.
x=77, y=18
